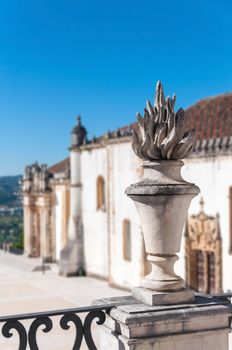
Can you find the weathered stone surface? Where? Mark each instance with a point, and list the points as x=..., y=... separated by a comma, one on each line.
x=162, y=199
x=160, y=134
x=71, y=256
x=209, y=340
x=69, y=263
x=163, y=298
x=192, y=325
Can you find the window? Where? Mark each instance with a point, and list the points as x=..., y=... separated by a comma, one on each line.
x=203, y=247
x=100, y=193
x=126, y=232
x=203, y=278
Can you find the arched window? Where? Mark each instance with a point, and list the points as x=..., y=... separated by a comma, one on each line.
x=126, y=235
x=100, y=193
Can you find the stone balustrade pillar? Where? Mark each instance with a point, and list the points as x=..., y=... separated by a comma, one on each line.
x=28, y=226
x=45, y=237
x=200, y=325
x=163, y=314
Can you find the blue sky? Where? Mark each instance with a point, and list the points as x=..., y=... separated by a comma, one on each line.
x=101, y=59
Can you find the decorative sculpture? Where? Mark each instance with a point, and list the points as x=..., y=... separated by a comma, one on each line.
x=36, y=178
x=162, y=198
x=161, y=132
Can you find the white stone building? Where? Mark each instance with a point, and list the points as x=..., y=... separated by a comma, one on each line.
x=76, y=212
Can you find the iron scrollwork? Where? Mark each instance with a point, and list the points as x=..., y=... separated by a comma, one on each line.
x=14, y=324
x=83, y=329
x=87, y=326
x=78, y=325
x=47, y=322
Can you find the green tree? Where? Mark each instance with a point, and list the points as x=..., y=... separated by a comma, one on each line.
x=20, y=242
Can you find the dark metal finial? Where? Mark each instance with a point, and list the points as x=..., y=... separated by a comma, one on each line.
x=79, y=119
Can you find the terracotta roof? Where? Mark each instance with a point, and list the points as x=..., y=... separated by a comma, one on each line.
x=212, y=120
x=211, y=117
x=59, y=167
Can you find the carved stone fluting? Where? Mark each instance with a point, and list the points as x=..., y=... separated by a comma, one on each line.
x=160, y=134
x=37, y=197
x=162, y=198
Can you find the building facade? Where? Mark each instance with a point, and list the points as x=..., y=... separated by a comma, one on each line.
x=76, y=212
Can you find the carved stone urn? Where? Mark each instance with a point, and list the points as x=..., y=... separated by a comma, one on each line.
x=162, y=198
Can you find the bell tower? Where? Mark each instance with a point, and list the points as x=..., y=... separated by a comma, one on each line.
x=71, y=258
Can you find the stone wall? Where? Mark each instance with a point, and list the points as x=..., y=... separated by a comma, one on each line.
x=95, y=229
x=213, y=176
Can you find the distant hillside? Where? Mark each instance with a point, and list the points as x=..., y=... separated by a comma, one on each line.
x=10, y=191
x=11, y=211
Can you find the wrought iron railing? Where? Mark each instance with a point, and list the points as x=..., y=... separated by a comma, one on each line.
x=227, y=296
x=28, y=334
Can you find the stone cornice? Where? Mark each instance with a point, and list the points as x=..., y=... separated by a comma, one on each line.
x=104, y=143
x=212, y=147
x=202, y=148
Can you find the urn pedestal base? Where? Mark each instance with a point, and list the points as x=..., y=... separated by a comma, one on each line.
x=153, y=298
x=200, y=325
x=162, y=277
x=162, y=199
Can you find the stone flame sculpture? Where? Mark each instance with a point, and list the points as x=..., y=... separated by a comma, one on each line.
x=161, y=132
x=162, y=198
